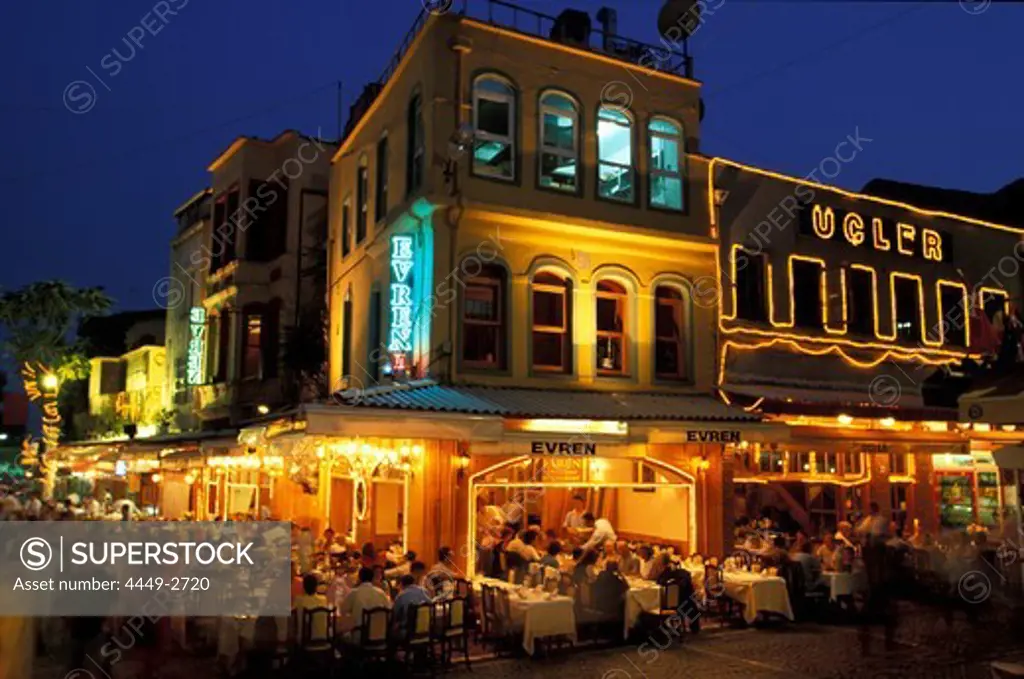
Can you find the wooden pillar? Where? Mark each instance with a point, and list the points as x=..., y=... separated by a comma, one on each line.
x=925, y=509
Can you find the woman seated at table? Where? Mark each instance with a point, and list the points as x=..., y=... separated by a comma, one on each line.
x=586, y=567
x=550, y=559
x=606, y=553
x=776, y=555
x=826, y=552
x=646, y=565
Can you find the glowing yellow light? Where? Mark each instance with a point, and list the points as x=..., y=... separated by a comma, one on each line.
x=556, y=426
x=262, y=409
x=320, y=451
x=189, y=479
x=842, y=192
x=156, y=478
x=417, y=450
x=49, y=382
x=881, y=242
x=887, y=421
x=749, y=408
x=843, y=418
x=905, y=232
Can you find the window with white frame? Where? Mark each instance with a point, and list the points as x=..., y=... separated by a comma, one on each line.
x=611, y=328
x=666, y=164
x=494, y=108
x=559, y=142
x=615, y=175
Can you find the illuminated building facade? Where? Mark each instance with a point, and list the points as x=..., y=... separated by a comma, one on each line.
x=856, y=321
x=514, y=254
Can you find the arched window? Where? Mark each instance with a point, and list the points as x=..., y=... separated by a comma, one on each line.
x=616, y=178
x=380, y=202
x=670, y=332
x=611, y=328
x=559, y=142
x=494, y=109
x=483, y=319
x=666, y=164
x=552, y=322
x=415, y=150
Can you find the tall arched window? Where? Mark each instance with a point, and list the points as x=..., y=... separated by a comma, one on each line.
x=616, y=177
x=666, y=164
x=611, y=328
x=415, y=150
x=552, y=322
x=483, y=319
x=670, y=333
x=559, y=142
x=494, y=110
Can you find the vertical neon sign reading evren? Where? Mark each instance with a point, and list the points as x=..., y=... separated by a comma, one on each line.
x=196, y=345
x=400, y=303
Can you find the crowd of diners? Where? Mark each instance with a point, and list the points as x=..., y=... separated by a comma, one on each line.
x=950, y=553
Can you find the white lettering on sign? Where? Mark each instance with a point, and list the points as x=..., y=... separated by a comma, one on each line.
x=400, y=303
x=909, y=240
x=196, y=345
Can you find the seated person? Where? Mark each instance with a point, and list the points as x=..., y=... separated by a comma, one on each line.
x=369, y=555
x=826, y=552
x=550, y=559
x=672, y=573
x=776, y=555
x=310, y=599
x=418, y=570
x=629, y=564
x=585, y=568
x=798, y=542
x=607, y=553
x=646, y=565
x=610, y=590
x=378, y=578
x=411, y=595
x=403, y=568
x=524, y=546
x=811, y=567
x=363, y=597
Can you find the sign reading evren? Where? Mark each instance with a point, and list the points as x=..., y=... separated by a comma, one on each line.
x=713, y=436
x=563, y=448
x=876, y=233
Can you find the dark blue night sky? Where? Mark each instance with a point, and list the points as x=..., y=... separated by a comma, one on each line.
x=89, y=197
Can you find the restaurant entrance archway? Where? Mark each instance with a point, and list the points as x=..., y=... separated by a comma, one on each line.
x=646, y=499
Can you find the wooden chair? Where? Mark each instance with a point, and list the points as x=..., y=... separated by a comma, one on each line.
x=373, y=635
x=453, y=632
x=716, y=602
x=417, y=641
x=315, y=646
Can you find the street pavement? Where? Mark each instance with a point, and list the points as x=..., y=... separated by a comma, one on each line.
x=928, y=643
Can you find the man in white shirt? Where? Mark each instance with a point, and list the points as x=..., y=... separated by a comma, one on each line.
x=523, y=545
x=574, y=517
x=310, y=599
x=363, y=597
x=602, y=533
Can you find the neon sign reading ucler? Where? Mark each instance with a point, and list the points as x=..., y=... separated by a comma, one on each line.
x=400, y=303
x=196, y=345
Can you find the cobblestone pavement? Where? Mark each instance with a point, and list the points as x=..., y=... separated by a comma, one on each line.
x=928, y=643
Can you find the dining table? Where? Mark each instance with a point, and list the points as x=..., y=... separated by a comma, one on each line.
x=535, y=613
x=643, y=596
x=844, y=583
x=757, y=592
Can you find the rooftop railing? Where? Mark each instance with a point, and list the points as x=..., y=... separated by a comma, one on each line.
x=671, y=57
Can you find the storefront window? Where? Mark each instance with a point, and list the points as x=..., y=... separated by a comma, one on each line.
x=799, y=463
x=851, y=463
x=771, y=461
x=826, y=463
x=955, y=500
x=988, y=498
x=898, y=502
x=897, y=464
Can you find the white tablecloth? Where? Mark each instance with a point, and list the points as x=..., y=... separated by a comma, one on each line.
x=541, y=617
x=758, y=593
x=844, y=584
x=643, y=596
x=536, y=616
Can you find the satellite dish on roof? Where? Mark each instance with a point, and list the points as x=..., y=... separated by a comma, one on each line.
x=678, y=19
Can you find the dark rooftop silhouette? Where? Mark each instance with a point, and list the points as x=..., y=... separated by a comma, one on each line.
x=1005, y=206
